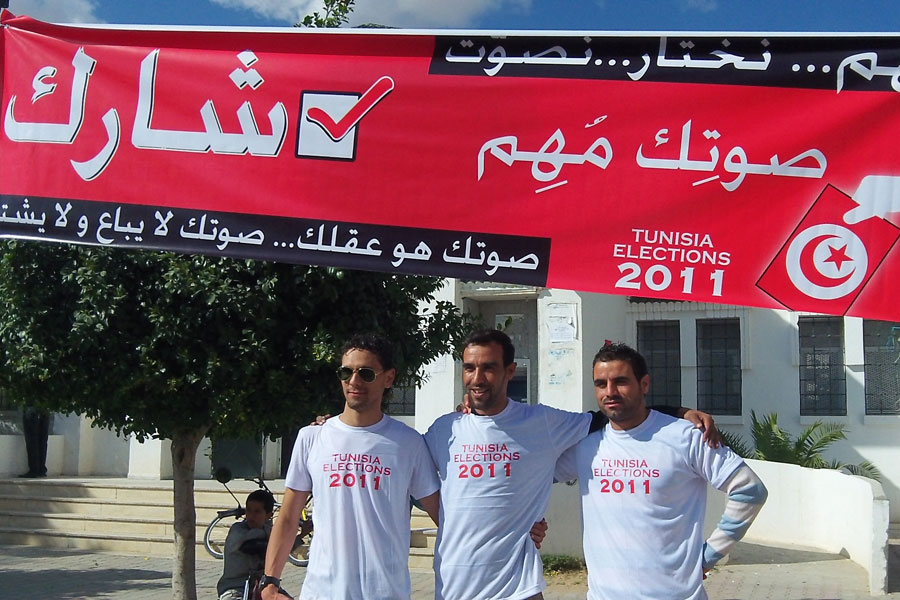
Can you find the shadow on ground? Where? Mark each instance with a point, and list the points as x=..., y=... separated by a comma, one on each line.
x=894, y=568
x=754, y=554
x=90, y=579
x=70, y=584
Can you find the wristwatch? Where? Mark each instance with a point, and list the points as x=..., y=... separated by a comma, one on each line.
x=269, y=580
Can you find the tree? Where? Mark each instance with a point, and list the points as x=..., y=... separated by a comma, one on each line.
x=771, y=442
x=180, y=347
x=336, y=14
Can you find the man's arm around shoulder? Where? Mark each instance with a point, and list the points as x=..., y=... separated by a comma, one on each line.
x=431, y=504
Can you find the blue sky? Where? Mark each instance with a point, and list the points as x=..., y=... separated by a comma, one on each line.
x=581, y=15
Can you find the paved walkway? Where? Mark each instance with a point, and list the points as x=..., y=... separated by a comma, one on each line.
x=754, y=572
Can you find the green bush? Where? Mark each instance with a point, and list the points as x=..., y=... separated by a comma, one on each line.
x=773, y=443
x=554, y=564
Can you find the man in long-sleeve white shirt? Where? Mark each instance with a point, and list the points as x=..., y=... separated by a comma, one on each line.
x=643, y=485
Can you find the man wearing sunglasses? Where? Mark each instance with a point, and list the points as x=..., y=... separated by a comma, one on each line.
x=363, y=467
x=496, y=467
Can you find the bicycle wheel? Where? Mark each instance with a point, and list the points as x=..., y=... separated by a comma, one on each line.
x=214, y=538
x=299, y=555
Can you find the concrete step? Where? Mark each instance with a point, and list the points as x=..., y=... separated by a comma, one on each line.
x=103, y=507
x=75, y=523
x=134, y=493
x=135, y=517
x=423, y=538
x=894, y=533
x=421, y=558
x=83, y=523
x=97, y=541
x=419, y=519
x=130, y=490
x=84, y=506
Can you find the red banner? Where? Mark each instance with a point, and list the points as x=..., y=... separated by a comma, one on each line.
x=755, y=170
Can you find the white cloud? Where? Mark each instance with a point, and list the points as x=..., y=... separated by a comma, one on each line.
x=58, y=11
x=432, y=13
x=394, y=13
x=289, y=11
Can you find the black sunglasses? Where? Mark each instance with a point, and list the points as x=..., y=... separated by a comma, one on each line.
x=367, y=374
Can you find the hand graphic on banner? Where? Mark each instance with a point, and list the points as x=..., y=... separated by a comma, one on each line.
x=877, y=196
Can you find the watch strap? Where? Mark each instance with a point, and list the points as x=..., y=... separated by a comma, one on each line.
x=269, y=580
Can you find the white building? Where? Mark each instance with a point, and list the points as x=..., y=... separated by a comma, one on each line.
x=726, y=360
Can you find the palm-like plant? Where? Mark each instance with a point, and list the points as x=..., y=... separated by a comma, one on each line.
x=773, y=443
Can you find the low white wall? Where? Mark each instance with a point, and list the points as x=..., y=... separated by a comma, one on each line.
x=442, y=389
x=150, y=459
x=817, y=509
x=14, y=460
x=564, y=521
x=821, y=509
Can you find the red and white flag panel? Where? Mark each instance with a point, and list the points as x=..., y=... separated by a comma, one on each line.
x=756, y=170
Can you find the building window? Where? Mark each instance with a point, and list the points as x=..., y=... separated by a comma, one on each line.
x=719, y=366
x=520, y=384
x=402, y=401
x=823, y=384
x=882, y=355
x=660, y=343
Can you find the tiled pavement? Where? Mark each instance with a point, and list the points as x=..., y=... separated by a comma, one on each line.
x=754, y=572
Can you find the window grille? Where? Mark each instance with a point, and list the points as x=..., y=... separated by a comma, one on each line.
x=660, y=343
x=881, y=340
x=402, y=401
x=823, y=383
x=719, y=366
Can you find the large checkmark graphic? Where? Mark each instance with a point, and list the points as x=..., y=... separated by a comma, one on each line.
x=337, y=130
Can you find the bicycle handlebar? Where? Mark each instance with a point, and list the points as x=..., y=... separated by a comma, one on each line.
x=233, y=512
x=259, y=482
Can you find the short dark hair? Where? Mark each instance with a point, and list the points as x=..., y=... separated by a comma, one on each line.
x=379, y=346
x=485, y=337
x=264, y=497
x=619, y=351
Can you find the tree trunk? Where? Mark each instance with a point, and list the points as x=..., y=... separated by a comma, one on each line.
x=184, y=455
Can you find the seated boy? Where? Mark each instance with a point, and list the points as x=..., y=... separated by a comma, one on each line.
x=245, y=546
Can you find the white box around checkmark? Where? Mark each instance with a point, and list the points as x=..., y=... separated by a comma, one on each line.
x=312, y=141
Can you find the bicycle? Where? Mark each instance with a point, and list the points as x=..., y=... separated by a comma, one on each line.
x=251, y=589
x=217, y=531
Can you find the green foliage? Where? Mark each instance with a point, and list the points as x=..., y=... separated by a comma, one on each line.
x=737, y=444
x=336, y=14
x=554, y=564
x=773, y=443
x=158, y=344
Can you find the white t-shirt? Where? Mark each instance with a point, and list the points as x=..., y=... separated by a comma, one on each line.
x=361, y=479
x=496, y=472
x=643, y=498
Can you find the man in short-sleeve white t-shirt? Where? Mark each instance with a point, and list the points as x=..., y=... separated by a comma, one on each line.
x=496, y=469
x=496, y=472
x=363, y=467
x=362, y=478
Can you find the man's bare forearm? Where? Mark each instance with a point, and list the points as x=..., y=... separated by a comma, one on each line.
x=281, y=540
